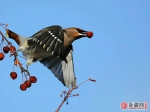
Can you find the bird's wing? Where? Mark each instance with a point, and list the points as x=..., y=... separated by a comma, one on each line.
x=62, y=70
x=51, y=39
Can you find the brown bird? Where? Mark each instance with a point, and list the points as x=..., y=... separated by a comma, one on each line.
x=52, y=46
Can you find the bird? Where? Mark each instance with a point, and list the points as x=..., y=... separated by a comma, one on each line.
x=52, y=46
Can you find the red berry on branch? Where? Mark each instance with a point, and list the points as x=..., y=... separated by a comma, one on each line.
x=23, y=87
x=28, y=83
x=13, y=75
x=6, y=49
x=2, y=56
x=89, y=34
x=13, y=48
x=33, y=79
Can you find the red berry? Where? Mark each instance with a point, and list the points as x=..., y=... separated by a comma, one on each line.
x=6, y=49
x=89, y=34
x=13, y=75
x=23, y=87
x=13, y=48
x=28, y=83
x=33, y=79
x=2, y=56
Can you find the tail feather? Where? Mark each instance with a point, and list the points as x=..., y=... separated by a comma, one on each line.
x=19, y=39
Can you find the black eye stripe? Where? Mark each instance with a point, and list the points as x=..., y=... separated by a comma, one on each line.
x=80, y=30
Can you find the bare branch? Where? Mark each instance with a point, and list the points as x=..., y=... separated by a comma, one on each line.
x=68, y=94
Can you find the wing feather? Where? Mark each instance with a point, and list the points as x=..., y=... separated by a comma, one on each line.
x=62, y=70
x=50, y=39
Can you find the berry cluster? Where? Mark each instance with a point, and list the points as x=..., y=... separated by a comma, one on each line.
x=10, y=48
x=26, y=84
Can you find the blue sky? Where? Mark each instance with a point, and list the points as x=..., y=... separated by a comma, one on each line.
x=118, y=55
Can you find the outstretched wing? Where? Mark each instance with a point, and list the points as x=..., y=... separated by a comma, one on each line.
x=62, y=70
x=51, y=39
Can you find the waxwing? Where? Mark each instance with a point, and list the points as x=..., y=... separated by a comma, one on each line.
x=52, y=46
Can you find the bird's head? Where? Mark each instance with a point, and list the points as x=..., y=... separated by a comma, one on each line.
x=77, y=33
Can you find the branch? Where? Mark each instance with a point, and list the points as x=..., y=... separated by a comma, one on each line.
x=67, y=94
x=3, y=37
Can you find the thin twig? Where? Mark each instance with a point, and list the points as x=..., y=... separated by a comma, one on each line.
x=9, y=43
x=82, y=83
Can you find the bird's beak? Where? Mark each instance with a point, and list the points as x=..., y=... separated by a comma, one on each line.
x=88, y=34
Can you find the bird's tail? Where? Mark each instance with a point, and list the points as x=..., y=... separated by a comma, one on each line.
x=15, y=36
